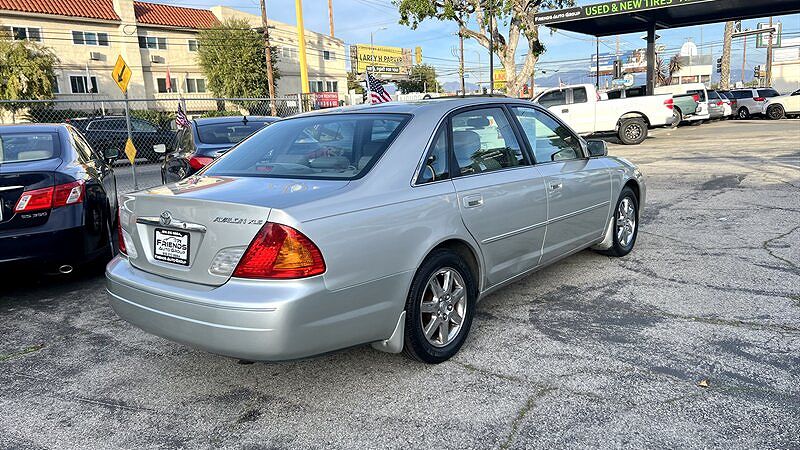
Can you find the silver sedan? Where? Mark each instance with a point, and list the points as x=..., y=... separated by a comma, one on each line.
x=372, y=224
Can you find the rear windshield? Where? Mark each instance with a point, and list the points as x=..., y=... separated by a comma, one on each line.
x=20, y=147
x=340, y=147
x=700, y=93
x=227, y=133
x=713, y=95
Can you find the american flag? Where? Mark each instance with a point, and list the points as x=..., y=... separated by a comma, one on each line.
x=181, y=121
x=377, y=94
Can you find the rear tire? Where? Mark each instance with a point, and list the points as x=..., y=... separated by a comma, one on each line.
x=743, y=113
x=677, y=117
x=776, y=112
x=626, y=224
x=446, y=316
x=632, y=131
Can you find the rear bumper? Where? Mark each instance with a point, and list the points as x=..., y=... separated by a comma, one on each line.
x=47, y=249
x=257, y=320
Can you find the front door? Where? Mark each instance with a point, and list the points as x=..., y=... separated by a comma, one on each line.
x=501, y=195
x=578, y=188
x=581, y=111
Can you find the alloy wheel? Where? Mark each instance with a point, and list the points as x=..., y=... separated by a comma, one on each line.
x=633, y=131
x=626, y=222
x=443, y=307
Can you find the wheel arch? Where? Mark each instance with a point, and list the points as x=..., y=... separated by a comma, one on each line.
x=637, y=191
x=467, y=252
x=633, y=115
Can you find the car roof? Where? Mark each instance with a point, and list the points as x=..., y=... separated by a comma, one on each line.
x=231, y=119
x=440, y=105
x=33, y=128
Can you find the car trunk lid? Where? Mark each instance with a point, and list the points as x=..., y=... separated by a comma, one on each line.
x=187, y=230
x=17, y=178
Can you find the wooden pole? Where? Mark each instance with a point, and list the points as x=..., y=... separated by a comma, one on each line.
x=330, y=15
x=268, y=56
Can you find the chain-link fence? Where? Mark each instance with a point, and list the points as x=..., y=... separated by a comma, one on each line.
x=153, y=131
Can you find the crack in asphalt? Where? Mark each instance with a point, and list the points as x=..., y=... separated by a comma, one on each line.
x=529, y=404
x=766, y=246
x=21, y=352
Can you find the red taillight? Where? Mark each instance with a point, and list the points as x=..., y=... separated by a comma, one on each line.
x=759, y=99
x=198, y=162
x=120, y=238
x=68, y=194
x=280, y=252
x=51, y=197
x=669, y=103
x=35, y=200
x=696, y=97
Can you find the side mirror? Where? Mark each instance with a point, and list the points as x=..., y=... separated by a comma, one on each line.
x=597, y=148
x=160, y=148
x=110, y=154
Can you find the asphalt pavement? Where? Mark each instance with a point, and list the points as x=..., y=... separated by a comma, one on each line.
x=691, y=341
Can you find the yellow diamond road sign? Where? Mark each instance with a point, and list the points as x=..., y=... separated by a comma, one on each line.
x=130, y=150
x=121, y=74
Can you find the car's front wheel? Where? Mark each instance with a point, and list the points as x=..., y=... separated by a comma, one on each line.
x=626, y=221
x=439, y=308
x=775, y=112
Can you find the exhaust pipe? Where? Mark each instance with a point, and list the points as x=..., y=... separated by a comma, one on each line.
x=65, y=269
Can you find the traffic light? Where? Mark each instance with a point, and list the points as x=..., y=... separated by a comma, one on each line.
x=719, y=65
x=757, y=72
x=617, y=69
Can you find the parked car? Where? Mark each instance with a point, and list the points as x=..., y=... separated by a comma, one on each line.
x=206, y=139
x=586, y=112
x=111, y=133
x=57, y=199
x=731, y=103
x=698, y=92
x=783, y=106
x=683, y=106
x=716, y=106
x=751, y=102
x=369, y=224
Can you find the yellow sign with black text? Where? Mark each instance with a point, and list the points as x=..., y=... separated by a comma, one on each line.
x=121, y=74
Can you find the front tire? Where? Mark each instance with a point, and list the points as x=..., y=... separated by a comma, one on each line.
x=439, y=308
x=626, y=217
x=632, y=131
x=775, y=112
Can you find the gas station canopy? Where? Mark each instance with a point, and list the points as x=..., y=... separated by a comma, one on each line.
x=631, y=16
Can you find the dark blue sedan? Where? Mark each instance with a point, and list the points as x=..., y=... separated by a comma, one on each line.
x=205, y=140
x=58, y=199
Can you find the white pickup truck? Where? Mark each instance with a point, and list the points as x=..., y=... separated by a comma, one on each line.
x=582, y=108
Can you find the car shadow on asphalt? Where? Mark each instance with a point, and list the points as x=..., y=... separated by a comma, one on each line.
x=19, y=285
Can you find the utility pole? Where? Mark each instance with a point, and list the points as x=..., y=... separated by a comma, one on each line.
x=330, y=14
x=461, y=62
x=725, y=67
x=491, y=48
x=268, y=55
x=744, y=57
x=769, y=55
x=301, y=37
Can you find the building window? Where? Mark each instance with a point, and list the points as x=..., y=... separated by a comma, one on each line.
x=331, y=86
x=193, y=45
x=289, y=53
x=80, y=84
x=326, y=55
x=195, y=85
x=161, y=83
x=89, y=38
x=22, y=33
x=153, y=42
x=315, y=86
x=54, y=85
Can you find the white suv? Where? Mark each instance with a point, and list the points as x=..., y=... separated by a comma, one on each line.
x=752, y=101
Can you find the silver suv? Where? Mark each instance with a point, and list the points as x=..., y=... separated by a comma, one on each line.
x=752, y=101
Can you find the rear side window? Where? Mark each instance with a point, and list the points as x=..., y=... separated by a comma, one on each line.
x=712, y=95
x=227, y=133
x=768, y=93
x=21, y=147
x=553, y=98
x=434, y=168
x=742, y=94
x=338, y=147
x=107, y=125
x=700, y=93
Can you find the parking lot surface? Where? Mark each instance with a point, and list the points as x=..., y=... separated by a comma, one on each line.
x=693, y=341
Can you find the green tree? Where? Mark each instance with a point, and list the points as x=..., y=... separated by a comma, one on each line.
x=231, y=55
x=422, y=79
x=26, y=73
x=354, y=84
x=517, y=16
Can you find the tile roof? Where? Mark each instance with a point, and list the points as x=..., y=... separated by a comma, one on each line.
x=92, y=9
x=172, y=16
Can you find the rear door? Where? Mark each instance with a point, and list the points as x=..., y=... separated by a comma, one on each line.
x=578, y=187
x=500, y=194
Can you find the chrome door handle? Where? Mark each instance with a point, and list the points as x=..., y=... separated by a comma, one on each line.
x=473, y=201
x=556, y=186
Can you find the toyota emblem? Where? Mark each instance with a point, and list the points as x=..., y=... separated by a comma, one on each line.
x=166, y=218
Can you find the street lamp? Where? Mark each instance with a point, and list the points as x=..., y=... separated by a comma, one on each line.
x=372, y=43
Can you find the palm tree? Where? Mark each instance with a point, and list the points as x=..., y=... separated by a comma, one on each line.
x=665, y=71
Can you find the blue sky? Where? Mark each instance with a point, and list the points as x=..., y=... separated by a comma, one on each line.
x=355, y=19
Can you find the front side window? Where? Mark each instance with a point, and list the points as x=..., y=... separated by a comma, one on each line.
x=20, y=147
x=483, y=141
x=553, y=98
x=339, y=147
x=549, y=140
x=434, y=168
